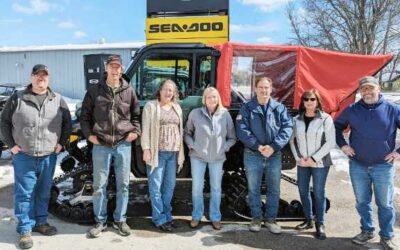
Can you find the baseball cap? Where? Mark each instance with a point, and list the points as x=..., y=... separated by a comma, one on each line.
x=368, y=80
x=114, y=59
x=39, y=67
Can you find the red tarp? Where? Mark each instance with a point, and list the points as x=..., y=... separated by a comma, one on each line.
x=295, y=69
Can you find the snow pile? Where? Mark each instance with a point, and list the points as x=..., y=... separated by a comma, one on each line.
x=72, y=105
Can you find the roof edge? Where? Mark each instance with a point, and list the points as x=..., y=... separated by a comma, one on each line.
x=94, y=46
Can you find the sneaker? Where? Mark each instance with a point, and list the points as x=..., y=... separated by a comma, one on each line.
x=307, y=224
x=122, y=227
x=273, y=227
x=363, y=238
x=45, y=229
x=165, y=227
x=255, y=225
x=194, y=223
x=388, y=244
x=172, y=224
x=95, y=231
x=216, y=225
x=25, y=241
x=320, y=231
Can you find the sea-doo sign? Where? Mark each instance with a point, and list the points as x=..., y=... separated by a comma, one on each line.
x=209, y=29
x=194, y=27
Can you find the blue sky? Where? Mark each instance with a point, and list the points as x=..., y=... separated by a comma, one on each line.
x=51, y=22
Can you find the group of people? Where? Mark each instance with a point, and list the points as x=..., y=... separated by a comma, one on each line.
x=36, y=123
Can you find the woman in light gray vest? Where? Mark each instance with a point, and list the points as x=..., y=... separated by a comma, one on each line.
x=209, y=134
x=312, y=139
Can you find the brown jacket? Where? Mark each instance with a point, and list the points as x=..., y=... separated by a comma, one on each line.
x=110, y=116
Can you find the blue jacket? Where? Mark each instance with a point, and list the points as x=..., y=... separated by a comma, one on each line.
x=254, y=128
x=373, y=130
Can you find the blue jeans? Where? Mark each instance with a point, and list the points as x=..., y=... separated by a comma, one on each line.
x=379, y=179
x=215, y=171
x=101, y=156
x=256, y=165
x=33, y=180
x=161, y=187
x=319, y=176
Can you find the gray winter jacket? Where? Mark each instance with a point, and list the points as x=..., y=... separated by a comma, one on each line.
x=37, y=130
x=209, y=137
x=317, y=142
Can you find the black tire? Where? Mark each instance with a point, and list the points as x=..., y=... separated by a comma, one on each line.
x=1, y=148
x=67, y=163
x=77, y=213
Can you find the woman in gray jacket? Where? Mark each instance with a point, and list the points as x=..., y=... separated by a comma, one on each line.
x=312, y=139
x=209, y=134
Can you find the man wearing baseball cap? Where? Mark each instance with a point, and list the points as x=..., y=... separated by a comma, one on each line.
x=110, y=120
x=35, y=125
x=373, y=122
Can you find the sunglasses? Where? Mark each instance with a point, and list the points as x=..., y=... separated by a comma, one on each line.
x=309, y=99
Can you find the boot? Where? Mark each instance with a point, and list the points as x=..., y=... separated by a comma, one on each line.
x=320, y=233
x=307, y=224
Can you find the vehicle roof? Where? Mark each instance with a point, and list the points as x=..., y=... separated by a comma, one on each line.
x=14, y=85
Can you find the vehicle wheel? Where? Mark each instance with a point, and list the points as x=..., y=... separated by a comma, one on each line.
x=64, y=210
x=77, y=213
x=235, y=190
x=67, y=163
x=88, y=213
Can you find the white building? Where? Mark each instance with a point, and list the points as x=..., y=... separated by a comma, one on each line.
x=65, y=62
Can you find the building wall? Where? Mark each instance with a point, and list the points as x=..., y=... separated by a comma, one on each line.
x=66, y=67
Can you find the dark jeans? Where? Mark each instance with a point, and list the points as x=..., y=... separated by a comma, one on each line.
x=319, y=176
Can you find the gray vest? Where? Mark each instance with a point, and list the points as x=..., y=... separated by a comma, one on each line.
x=36, y=129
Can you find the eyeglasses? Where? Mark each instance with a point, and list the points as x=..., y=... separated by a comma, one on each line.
x=309, y=99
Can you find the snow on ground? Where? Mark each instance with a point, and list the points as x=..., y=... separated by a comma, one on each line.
x=6, y=169
x=340, y=160
x=72, y=105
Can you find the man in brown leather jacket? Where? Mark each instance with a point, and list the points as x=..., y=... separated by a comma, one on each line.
x=110, y=120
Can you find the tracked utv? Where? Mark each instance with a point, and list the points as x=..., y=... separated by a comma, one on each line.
x=232, y=69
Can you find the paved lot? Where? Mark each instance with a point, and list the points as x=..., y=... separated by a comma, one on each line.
x=342, y=223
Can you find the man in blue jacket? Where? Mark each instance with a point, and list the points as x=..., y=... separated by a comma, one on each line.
x=373, y=122
x=264, y=127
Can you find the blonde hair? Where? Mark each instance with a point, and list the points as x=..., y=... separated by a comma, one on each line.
x=208, y=90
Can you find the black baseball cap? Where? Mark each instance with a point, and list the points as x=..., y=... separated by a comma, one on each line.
x=39, y=67
x=114, y=59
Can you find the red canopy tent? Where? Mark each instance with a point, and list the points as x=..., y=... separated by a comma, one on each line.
x=295, y=69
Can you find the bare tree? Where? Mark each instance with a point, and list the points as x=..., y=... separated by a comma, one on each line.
x=356, y=26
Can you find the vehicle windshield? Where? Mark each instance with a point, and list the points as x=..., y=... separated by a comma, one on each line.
x=6, y=91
